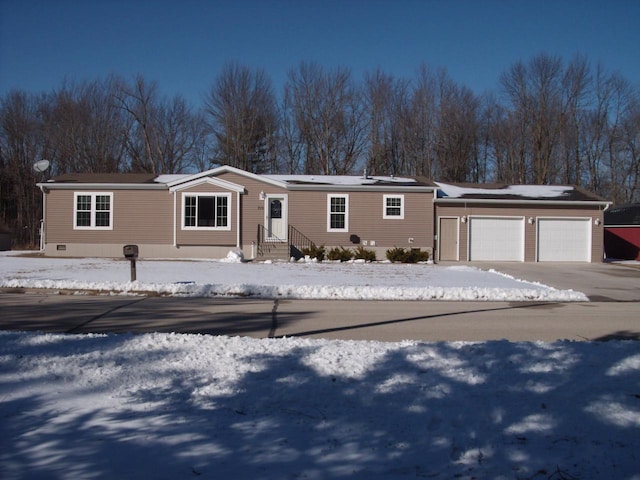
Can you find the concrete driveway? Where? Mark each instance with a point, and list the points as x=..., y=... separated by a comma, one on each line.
x=601, y=282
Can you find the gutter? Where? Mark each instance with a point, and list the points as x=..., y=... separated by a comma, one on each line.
x=101, y=186
x=495, y=201
x=359, y=188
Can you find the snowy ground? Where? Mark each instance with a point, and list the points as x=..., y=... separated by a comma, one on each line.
x=353, y=281
x=170, y=406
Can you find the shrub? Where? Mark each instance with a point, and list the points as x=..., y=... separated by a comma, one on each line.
x=340, y=253
x=365, y=254
x=396, y=254
x=408, y=255
x=315, y=252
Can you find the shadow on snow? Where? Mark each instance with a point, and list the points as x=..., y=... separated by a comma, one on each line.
x=318, y=410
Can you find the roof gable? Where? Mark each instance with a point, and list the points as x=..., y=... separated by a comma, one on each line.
x=224, y=169
x=217, y=182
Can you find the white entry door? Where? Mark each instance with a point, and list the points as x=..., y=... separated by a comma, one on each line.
x=276, y=217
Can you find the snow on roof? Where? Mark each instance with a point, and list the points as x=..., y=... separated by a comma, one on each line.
x=524, y=191
x=170, y=178
x=340, y=179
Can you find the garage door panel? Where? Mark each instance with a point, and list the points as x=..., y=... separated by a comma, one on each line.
x=564, y=240
x=496, y=238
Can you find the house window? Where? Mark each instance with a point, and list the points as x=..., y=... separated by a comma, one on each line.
x=92, y=211
x=206, y=211
x=337, y=213
x=393, y=207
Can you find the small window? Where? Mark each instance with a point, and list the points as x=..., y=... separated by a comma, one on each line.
x=338, y=213
x=393, y=207
x=93, y=211
x=206, y=211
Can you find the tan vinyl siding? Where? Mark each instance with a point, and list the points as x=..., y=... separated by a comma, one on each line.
x=307, y=212
x=139, y=216
x=252, y=207
x=526, y=211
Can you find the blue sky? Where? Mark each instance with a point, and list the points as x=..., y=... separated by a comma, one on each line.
x=182, y=44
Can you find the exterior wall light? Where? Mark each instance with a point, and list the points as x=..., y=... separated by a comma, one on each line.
x=596, y=222
x=531, y=220
x=464, y=219
x=262, y=196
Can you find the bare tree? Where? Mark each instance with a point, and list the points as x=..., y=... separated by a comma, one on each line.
x=419, y=126
x=84, y=128
x=457, y=132
x=20, y=147
x=243, y=117
x=535, y=93
x=576, y=84
x=327, y=110
x=386, y=102
x=163, y=135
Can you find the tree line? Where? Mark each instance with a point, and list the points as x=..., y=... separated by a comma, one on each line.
x=548, y=121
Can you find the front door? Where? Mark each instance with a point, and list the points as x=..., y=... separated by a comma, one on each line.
x=448, y=239
x=276, y=217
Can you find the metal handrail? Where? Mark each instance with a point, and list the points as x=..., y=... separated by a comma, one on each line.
x=297, y=241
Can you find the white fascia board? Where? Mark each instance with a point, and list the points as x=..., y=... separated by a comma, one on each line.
x=101, y=186
x=359, y=188
x=227, y=169
x=496, y=201
x=234, y=187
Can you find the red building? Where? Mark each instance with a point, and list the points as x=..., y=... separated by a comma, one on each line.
x=622, y=232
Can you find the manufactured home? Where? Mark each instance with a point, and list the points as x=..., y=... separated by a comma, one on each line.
x=207, y=214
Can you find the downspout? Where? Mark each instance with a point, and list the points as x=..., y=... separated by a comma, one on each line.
x=175, y=226
x=42, y=220
x=435, y=237
x=238, y=222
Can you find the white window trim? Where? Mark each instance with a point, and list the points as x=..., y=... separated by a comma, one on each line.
x=93, y=210
x=346, y=213
x=384, y=207
x=207, y=194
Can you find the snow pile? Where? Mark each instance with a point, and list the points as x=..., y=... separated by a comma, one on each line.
x=313, y=280
x=182, y=406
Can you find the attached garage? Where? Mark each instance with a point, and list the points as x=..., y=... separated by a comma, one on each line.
x=564, y=240
x=521, y=223
x=496, y=238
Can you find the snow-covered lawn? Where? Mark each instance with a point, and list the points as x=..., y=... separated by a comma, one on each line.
x=172, y=406
x=353, y=280
x=168, y=406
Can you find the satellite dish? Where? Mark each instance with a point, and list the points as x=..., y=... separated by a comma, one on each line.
x=41, y=166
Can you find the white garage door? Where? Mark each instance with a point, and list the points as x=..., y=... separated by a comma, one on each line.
x=495, y=238
x=564, y=240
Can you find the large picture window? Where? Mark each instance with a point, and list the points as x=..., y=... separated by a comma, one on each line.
x=338, y=213
x=206, y=211
x=393, y=207
x=93, y=211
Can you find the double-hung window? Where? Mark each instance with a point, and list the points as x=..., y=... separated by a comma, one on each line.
x=393, y=207
x=209, y=211
x=92, y=211
x=337, y=213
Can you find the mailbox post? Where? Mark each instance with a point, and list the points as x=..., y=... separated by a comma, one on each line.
x=131, y=253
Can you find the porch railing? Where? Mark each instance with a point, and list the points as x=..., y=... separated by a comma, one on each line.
x=296, y=242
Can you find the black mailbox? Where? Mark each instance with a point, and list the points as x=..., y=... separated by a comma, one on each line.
x=130, y=251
